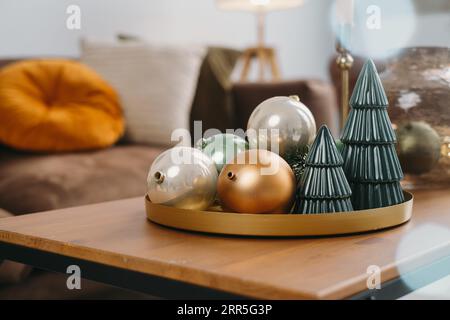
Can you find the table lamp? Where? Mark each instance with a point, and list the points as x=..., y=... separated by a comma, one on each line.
x=265, y=55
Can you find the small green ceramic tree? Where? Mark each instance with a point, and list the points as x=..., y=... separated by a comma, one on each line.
x=323, y=186
x=370, y=160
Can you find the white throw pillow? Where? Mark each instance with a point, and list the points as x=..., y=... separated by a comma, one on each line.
x=156, y=84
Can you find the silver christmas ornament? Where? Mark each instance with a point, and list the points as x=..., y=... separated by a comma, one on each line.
x=222, y=148
x=182, y=177
x=295, y=123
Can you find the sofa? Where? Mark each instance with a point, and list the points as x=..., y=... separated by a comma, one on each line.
x=32, y=182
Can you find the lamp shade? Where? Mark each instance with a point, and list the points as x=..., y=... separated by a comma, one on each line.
x=258, y=5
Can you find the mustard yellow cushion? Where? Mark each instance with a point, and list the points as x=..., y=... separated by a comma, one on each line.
x=57, y=105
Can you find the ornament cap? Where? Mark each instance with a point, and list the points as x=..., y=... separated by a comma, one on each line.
x=159, y=177
x=202, y=143
x=231, y=176
x=295, y=97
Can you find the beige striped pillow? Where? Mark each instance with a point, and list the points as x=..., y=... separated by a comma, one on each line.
x=156, y=84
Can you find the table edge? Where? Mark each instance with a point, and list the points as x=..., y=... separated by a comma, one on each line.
x=235, y=285
x=120, y=261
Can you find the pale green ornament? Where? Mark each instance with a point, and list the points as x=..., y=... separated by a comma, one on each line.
x=222, y=148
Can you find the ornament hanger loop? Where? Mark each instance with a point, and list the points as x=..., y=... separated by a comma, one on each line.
x=231, y=176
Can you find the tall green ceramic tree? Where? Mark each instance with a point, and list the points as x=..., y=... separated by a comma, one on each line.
x=323, y=187
x=370, y=160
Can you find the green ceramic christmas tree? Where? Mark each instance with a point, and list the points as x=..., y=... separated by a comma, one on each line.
x=370, y=160
x=323, y=186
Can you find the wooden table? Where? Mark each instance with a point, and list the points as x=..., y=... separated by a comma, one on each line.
x=114, y=243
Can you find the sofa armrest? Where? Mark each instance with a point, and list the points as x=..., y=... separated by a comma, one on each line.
x=4, y=214
x=317, y=95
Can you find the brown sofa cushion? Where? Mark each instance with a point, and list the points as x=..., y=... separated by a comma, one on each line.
x=317, y=95
x=30, y=182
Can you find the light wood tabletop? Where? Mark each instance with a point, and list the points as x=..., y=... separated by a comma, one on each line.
x=118, y=234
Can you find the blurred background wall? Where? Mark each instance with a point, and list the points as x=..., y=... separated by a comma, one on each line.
x=302, y=36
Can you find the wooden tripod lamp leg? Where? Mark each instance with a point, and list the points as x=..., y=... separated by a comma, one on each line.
x=274, y=65
x=266, y=60
x=261, y=55
x=265, y=55
x=247, y=59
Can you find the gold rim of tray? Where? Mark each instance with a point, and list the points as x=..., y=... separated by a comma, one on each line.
x=281, y=224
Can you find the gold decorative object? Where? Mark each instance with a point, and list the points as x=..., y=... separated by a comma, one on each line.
x=257, y=181
x=344, y=61
x=280, y=225
x=445, y=148
x=418, y=147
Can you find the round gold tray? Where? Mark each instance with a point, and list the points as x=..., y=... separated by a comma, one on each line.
x=281, y=224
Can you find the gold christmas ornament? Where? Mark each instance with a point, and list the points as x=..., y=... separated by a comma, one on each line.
x=256, y=181
x=418, y=147
x=293, y=120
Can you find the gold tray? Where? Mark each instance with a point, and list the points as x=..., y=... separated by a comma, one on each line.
x=245, y=224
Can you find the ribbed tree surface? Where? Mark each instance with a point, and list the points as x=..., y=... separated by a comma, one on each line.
x=371, y=164
x=323, y=186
